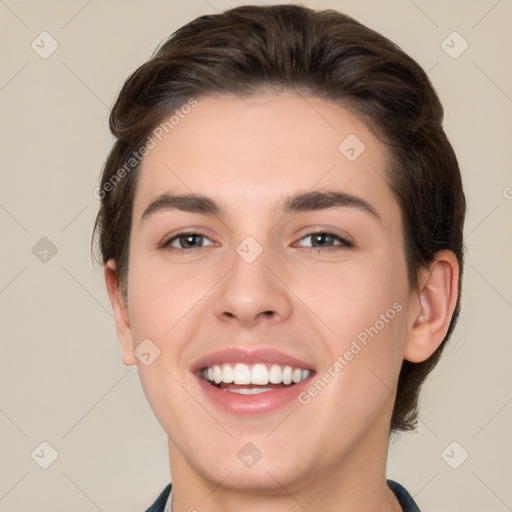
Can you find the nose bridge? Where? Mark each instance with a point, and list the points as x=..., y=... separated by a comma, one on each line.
x=251, y=291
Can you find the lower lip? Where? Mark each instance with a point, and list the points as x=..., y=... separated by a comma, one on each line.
x=251, y=405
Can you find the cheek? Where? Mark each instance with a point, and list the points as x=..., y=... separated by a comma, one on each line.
x=364, y=360
x=372, y=329
x=158, y=312
x=364, y=307
x=348, y=298
x=156, y=295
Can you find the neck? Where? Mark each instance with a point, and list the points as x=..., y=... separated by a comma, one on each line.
x=355, y=483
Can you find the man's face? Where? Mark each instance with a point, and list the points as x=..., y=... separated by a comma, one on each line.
x=251, y=288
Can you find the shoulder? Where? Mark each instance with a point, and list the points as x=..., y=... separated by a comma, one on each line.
x=404, y=498
x=159, y=504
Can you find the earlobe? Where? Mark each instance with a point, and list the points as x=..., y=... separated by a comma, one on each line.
x=435, y=303
x=120, y=310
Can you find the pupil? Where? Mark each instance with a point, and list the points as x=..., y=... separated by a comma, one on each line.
x=189, y=239
x=321, y=238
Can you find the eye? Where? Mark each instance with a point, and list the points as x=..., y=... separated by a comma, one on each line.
x=324, y=240
x=319, y=240
x=186, y=241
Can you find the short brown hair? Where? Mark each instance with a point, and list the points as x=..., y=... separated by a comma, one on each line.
x=249, y=49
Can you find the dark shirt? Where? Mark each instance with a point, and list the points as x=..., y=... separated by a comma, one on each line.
x=403, y=497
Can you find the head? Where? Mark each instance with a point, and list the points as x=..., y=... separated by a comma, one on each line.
x=249, y=107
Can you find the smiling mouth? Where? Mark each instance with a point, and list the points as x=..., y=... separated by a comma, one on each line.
x=253, y=379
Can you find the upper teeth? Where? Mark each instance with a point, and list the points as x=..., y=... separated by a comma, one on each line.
x=259, y=374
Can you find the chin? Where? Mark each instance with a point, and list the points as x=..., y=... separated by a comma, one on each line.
x=262, y=479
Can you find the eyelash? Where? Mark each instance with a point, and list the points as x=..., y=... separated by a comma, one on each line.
x=344, y=243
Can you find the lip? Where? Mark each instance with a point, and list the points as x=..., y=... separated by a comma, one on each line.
x=257, y=404
x=252, y=405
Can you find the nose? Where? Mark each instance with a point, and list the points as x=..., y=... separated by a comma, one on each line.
x=254, y=292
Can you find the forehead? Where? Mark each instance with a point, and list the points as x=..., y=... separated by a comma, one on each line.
x=253, y=152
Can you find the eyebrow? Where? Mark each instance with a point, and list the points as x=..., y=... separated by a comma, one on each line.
x=302, y=202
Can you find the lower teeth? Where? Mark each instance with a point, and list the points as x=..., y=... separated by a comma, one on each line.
x=247, y=391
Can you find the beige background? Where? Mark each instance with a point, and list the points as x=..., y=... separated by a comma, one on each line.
x=62, y=379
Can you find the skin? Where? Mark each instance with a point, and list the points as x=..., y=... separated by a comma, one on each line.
x=249, y=155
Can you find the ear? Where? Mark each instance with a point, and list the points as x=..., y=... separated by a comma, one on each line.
x=432, y=307
x=120, y=310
